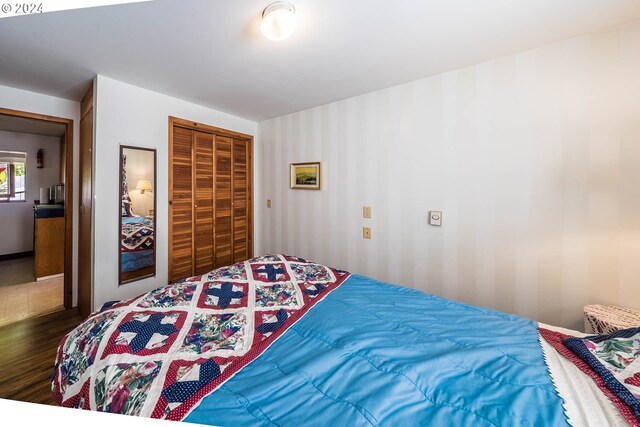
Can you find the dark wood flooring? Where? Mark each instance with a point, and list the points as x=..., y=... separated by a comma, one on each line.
x=28, y=352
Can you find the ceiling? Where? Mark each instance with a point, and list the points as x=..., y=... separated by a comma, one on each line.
x=211, y=52
x=36, y=127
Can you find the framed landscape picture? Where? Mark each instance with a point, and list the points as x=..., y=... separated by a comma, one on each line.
x=305, y=176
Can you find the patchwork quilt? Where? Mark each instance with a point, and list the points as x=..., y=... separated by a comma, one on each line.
x=616, y=358
x=161, y=353
x=137, y=234
x=611, y=360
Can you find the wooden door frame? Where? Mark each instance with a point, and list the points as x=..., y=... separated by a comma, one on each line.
x=190, y=124
x=68, y=189
x=85, y=209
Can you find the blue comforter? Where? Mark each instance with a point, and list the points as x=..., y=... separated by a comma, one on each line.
x=378, y=354
x=132, y=261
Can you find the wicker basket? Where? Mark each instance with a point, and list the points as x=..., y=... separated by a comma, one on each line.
x=605, y=319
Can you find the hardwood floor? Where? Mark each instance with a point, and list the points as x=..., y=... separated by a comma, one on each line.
x=27, y=353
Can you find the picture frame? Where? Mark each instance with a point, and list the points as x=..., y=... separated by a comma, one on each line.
x=305, y=176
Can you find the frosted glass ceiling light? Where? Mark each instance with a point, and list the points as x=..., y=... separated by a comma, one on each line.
x=278, y=20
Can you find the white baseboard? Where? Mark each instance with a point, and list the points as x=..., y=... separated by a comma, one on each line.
x=53, y=276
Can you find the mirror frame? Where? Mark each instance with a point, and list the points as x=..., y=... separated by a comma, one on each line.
x=122, y=281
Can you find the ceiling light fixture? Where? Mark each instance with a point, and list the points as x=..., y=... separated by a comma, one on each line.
x=278, y=20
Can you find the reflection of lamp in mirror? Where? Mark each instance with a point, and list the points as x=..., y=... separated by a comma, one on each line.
x=144, y=185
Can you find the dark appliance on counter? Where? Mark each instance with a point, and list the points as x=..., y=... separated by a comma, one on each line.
x=56, y=193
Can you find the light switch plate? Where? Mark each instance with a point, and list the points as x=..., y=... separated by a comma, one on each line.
x=366, y=232
x=268, y=203
x=435, y=218
x=366, y=211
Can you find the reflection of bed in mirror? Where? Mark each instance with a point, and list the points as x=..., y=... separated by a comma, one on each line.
x=137, y=221
x=136, y=245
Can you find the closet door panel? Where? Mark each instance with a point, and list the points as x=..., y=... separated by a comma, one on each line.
x=223, y=198
x=181, y=205
x=203, y=233
x=240, y=201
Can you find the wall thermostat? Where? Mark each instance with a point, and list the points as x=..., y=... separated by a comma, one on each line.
x=435, y=218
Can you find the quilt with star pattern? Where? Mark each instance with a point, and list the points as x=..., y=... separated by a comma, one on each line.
x=159, y=354
x=136, y=234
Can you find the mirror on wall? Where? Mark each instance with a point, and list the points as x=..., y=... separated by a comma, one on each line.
x=137, y=213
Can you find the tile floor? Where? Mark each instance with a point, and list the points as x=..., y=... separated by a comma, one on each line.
x=19, y=270
x=32, y=299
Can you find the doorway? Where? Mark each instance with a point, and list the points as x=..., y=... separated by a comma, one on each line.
x=36, y=203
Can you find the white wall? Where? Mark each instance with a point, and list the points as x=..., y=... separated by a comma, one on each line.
x=16, y=227
x=533, y=158
x=17, y=99
x=130, y=115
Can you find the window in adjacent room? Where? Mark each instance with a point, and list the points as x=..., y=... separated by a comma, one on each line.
x=12, y=176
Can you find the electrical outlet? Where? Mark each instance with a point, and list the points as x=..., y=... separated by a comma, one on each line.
x=366, y=212
x=268, y=203
x=435, y=218
x=366, y=232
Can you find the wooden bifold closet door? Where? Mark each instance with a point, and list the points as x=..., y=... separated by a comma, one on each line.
x=223, y=201
x=181, y=204
x=210, y=193
x=240, y=201
x=203, y=207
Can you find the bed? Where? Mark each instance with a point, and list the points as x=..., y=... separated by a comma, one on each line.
x=279, y=340
x=137, y=242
